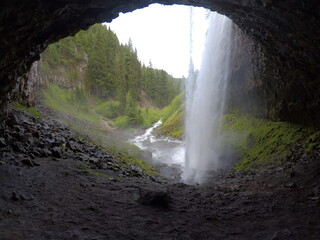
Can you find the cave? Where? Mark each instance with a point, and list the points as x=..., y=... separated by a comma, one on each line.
x=286, y=33
x=57, y=184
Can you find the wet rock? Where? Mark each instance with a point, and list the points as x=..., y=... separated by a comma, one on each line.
x=27, y=162
x=281, y=235
x=2, y=142
x=18, y=147
x=45, y=152
x=291, y=185
x=154, y=197
x=74, y=146
x=14, y=196
x=57, y=152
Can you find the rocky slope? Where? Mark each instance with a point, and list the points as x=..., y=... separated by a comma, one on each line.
x=56, y=186
x=27, y=141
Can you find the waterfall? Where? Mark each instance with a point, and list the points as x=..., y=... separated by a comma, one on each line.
x=205, y=98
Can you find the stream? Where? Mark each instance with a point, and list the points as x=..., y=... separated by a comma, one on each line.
x=168, y=154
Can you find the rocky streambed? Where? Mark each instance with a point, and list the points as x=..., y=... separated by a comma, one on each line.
x=56, y=185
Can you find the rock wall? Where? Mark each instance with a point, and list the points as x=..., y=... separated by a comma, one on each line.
x=69, y=76
x=247, y=92
x=286, y=32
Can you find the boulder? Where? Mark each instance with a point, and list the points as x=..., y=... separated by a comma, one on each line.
x=154, y=197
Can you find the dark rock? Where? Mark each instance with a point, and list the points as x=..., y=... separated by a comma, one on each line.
x=154, y=197
x=45, y=152
x=36, y=163
x=291, y=185
x=14, y=196
x=18, y=147
x=74, y=146
x=35, y=151
x=281, y=235
x=28, y=162
x=9, y=211
x=57, y=152
x=84, y=185
x=2, y=142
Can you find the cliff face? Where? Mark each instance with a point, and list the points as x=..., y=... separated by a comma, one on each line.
x=286, y=32
x=246, y=92
x=69, y=76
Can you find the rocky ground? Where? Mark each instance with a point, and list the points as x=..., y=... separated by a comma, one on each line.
x=55, y=185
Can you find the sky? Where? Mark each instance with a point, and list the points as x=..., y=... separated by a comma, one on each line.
x=161, y=34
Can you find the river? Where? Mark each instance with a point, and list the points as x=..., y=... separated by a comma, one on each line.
x=168, y=154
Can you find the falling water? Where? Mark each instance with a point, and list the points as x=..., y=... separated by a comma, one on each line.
x=205, y=98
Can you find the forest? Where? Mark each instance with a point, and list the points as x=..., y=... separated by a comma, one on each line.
x=122, y=86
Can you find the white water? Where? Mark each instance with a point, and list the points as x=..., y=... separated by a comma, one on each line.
x=165, y=150
x=205, y=98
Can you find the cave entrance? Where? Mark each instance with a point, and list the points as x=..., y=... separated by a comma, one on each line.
x=125, y=74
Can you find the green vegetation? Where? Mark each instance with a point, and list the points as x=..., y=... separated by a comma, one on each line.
x=150, y=116
x=108, y=109
x=139, y=116
x=112, y=70
x=91, y=76
x=122, y=122
x=129, y=159
x=174, y=126
x=86, y=169
x=256, y=142
x=173, y=120
x=71, y=103
x=264, y=142
x=33, y=111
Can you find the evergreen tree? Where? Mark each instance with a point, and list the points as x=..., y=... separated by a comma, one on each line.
x=113, y=70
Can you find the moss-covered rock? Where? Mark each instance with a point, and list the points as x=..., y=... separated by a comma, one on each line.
x=262, y=142
x=32, y=110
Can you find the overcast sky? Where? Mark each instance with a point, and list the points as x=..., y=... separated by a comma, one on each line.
x=161, y=34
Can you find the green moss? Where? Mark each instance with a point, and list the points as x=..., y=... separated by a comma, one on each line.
x=132, y=159
x=71, y=103
x=86, y=169
x=98, y=174
x=264, y=142
x=33, y=111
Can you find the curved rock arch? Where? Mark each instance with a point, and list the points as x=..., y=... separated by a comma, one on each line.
x=287, y=32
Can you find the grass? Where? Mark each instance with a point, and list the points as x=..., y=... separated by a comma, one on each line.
x=65, y=101
x=173, y=118
x=174, y=125
x=110, y=109
x=150, y=116
x=33, y=111
x=122, y=122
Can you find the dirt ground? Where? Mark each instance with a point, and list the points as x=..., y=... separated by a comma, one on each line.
x=53, y=197
x=57, y=200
